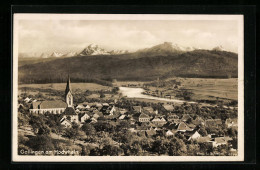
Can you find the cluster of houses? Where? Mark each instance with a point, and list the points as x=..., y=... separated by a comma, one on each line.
x=144, y=120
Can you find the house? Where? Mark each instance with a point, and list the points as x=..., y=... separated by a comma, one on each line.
x=213, y=122
x=183, y=127
x=169, y=133
x=170, y=126
x=192, y=135
x=205, y=139
x=122, y=117
x=108, y=110
x=186, y=117
x=231, y=122
x=71, y=115
x=150, y=133
x=98, y=106
x=27, y=100
x=93, y=120
x=122, y=111
x=232, y=152
x=105, y=104
x=53, y=107
x=168, y=107
x=172, y=117
x=159, y=120
x=96, y=116
x=80, y=107
x=198, y=121
x=20, y=106
x=220, y=141
x=83, y=117
x=65, y=122
x=144, y=118
x=149, y=110
x=137, y=109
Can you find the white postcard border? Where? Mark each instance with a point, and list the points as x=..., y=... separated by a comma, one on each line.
x=19, y=158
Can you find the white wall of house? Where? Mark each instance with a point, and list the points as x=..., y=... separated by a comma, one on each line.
x=52, y=111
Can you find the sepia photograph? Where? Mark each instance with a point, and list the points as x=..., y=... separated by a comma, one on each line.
x=127, y=87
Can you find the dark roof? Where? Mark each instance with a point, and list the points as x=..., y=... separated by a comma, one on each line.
x=69, y=111
x=203, y=139
x=183, y=126
x=142, y=115
x=66, y=121
x=168, y=107
x=190, y=133
x=170, y=126
x=198, y=121
x=149, y=109
x=222, y=139
x=185, y=117
x=137, y=108
x=52, y=104
x=213, y=122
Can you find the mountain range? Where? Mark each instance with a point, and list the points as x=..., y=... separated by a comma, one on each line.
x=93, y=49
x=164, y=60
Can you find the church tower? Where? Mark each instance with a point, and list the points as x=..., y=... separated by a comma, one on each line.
x=68, y=94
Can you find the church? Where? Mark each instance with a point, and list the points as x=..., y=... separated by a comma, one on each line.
x=57, y=106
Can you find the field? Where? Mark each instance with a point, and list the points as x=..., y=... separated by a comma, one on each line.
x=202, y=89
x=211, y=88
x=62, y=86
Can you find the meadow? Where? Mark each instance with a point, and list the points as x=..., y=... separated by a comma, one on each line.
x=202, y=88
x=211, y=88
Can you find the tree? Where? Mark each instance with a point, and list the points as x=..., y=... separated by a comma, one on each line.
x=136, y=149
x=102, y=95
x=73, y=132
x=88, y=129
x=160, y=146
x=115, y=90
x=41, y=143
x=206, y=148
x=85, y=150
x=232, y=132
x=95, y=152
x=111, y=150
x=177, y=147
x=203, y=131
x=192, y=149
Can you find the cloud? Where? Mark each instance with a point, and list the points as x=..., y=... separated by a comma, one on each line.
x=64, y=36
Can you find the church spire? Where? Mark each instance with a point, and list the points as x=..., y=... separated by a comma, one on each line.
x=68, y=94
x=68, y=86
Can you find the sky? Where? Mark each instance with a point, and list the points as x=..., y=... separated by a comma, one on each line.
x=38, y=36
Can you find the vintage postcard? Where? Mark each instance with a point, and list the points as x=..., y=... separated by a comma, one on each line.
x=131, y=88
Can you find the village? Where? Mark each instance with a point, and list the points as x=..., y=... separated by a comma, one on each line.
x=161, y=128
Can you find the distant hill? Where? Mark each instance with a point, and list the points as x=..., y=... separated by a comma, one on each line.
x=159, y=61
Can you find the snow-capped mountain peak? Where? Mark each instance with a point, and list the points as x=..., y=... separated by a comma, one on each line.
x=94, y=49
x=218, y=48
x=56, y=54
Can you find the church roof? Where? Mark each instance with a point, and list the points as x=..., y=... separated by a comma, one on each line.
x=52, y=104
x=35, y=105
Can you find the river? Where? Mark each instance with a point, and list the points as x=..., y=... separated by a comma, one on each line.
x=131, y=92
